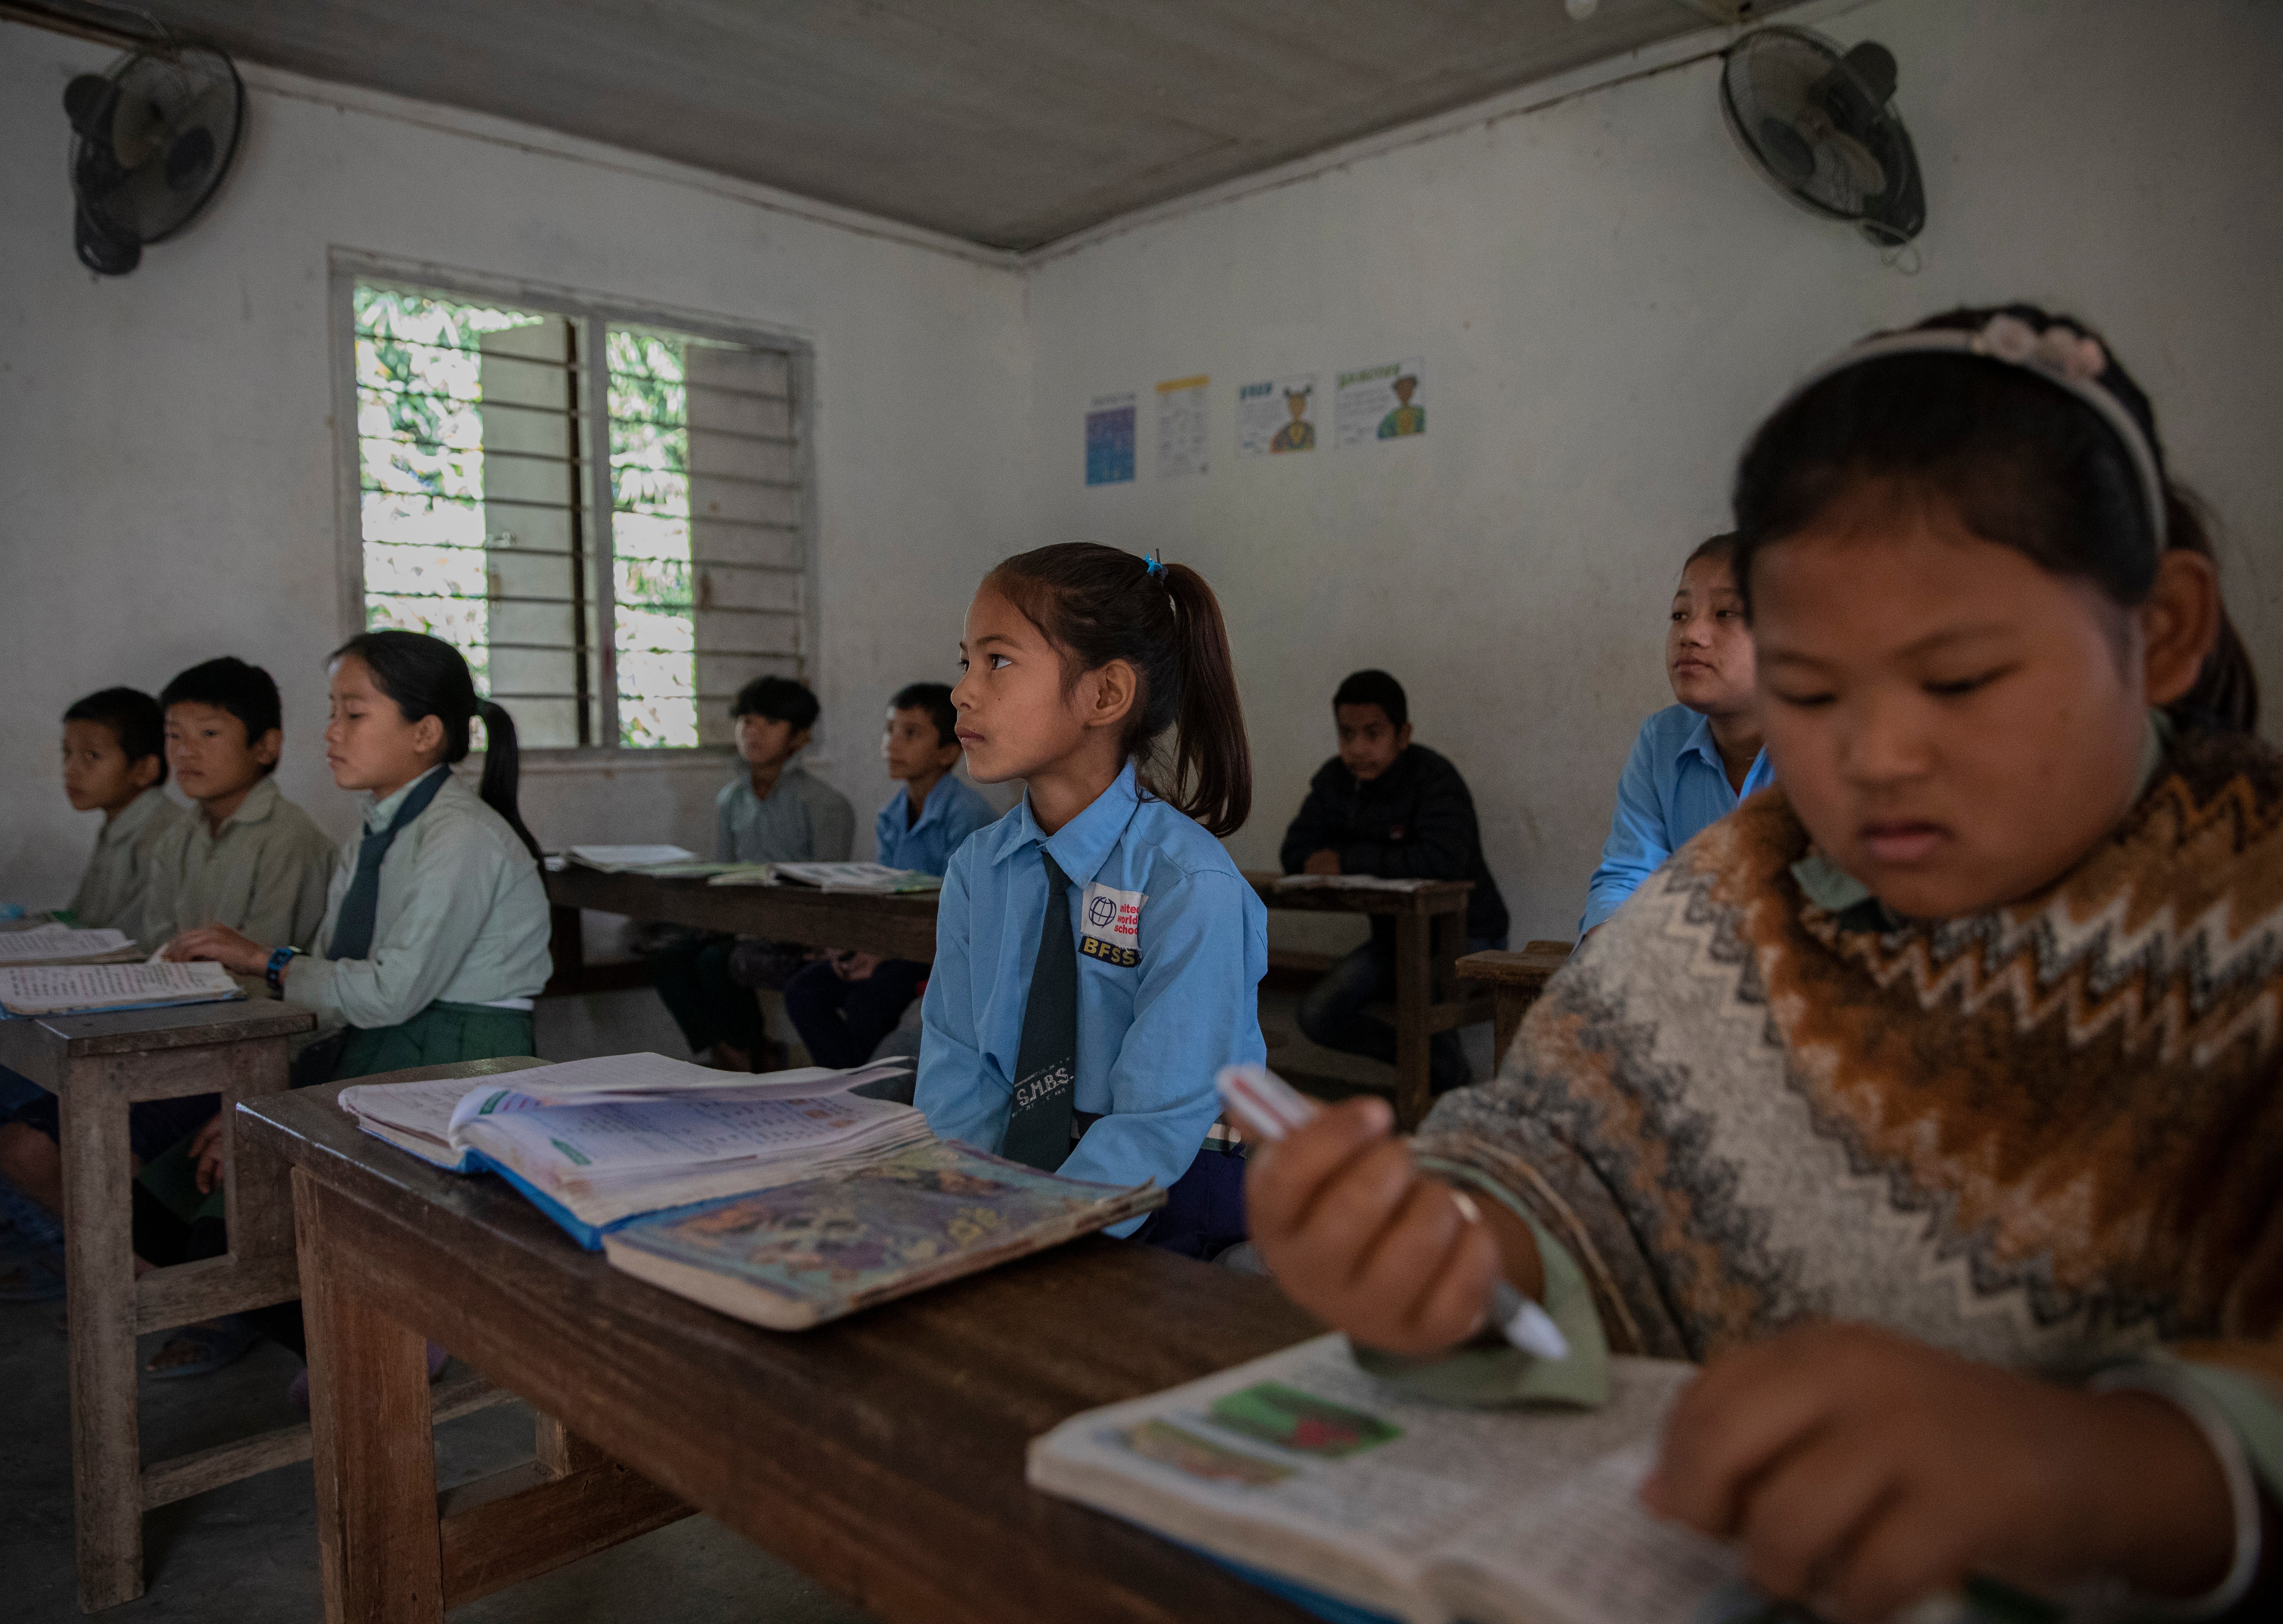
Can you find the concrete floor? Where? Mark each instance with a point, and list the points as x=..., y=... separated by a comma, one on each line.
x=247, y=1553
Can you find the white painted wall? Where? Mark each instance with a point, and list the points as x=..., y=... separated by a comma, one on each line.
x=1607, y=300
x=1605, y=296
x=167, y=459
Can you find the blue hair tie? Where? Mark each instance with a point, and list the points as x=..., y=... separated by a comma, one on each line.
x=1155, y=566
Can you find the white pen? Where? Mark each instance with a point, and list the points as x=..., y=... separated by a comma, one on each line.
x=1267, y=1108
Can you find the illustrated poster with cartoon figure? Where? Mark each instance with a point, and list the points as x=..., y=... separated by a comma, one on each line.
x=1373, y=403
x=1277, y=416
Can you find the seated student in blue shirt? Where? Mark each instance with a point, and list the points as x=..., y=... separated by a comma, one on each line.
x=843, y=1005
x=1693, y=761
x=1098, y=956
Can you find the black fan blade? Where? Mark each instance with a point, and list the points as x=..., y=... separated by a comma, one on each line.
x=1875, y=66
x=88, y=102
x=1787, y=152
x=102, y=252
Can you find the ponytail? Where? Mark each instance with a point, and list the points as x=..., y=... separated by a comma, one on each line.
x=502, y=769
x=1213, y=763
x=1097, y=604
x=426, y=677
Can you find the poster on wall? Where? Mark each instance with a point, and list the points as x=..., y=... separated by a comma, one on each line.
x=1181, y=426
x=1109, y=440
x=1277, y=416
x=1378, y=403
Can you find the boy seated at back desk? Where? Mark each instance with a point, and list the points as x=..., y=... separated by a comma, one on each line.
x=116, y=763
x=843, y=1005
x=1385, y=805
x=771, y=812
x=244, y=858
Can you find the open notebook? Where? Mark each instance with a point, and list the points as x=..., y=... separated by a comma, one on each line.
x=63, y=944
x=1338, y=1491
x=70, y=989
x=782, y=1200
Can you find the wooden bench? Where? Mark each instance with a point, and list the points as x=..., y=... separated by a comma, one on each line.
x=1431, y=927
x=883, y=1455
x=98, y=1065
x=1514, y=981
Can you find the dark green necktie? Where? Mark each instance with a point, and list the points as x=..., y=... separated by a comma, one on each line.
x=1046, y=1065
x=360, y=904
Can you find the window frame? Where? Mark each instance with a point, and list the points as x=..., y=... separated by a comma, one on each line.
x=349, y=267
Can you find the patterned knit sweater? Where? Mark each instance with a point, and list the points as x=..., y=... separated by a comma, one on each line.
x=2050, y=1136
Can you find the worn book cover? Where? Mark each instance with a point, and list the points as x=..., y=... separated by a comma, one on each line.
x=803, y=1253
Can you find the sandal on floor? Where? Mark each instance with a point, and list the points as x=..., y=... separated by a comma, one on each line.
x=34, y=1277
x=201, y=1350
x=297, y=1392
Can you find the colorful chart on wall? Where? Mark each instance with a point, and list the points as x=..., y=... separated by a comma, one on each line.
x=1181, y=426
x=1379, y=402
x=1109, y=440
x=1277, y=416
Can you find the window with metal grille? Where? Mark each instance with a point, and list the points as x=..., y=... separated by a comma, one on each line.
x=605, y=516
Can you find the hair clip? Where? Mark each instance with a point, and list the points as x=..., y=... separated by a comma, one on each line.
x=2059, y=350
x=1155, y=565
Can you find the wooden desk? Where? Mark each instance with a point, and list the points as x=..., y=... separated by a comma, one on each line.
x=1430, y=928
x=98, y=1065
x=1515, y=980
x=901, y=926
x=882, y=1455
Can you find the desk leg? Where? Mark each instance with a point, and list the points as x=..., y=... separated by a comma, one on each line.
x=99, y=1279
x=1512, y=1005
x=1414, y=993
x=379, y=1551
x=259, y=1202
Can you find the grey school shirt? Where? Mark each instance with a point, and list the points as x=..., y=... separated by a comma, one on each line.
x=804, y=820
x=114, y=892
x=263, y=873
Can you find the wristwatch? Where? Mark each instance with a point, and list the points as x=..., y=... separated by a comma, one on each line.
x=276, y=972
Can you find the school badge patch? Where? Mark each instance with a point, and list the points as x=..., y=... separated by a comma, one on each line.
x=1112, y=925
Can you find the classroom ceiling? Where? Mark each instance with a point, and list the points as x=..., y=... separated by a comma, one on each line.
x=1006, y=123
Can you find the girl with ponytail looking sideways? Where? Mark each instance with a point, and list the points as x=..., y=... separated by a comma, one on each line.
x=434, y=940
x=1097, y=952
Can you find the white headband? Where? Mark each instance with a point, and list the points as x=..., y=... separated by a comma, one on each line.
x=2060, y=355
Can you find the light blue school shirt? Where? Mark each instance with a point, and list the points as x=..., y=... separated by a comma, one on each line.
x=1673, y=787
x=1150, y=1036
x=951, y=812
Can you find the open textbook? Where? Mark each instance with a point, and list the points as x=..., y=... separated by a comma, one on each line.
x=63, y=944
x=1347, y=1495
x=630, y=859
x=594, y=1142
x=71, y=990
x=1347, y=882
x=781, y=1200
x=871, y=877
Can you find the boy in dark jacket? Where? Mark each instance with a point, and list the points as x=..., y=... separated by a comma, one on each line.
x=1385, y=805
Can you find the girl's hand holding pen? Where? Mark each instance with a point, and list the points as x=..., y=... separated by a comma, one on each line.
x=1359, y=1236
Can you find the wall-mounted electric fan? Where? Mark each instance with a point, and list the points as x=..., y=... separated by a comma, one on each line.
x=1820, y=125
x=156, y=130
